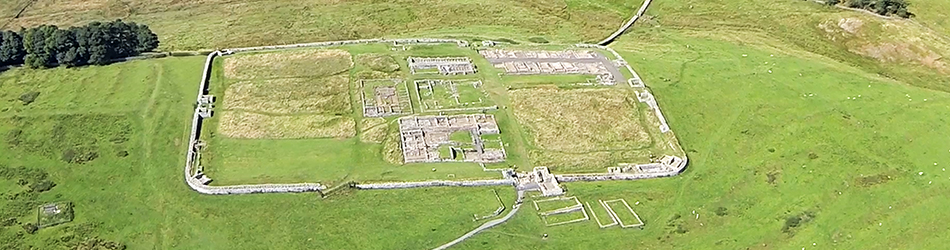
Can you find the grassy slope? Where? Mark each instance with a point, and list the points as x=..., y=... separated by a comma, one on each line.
x=730, y=113
x=933, y=14
x=244, y=23
x=727, y=118
x=141, y=201
x=795, y=25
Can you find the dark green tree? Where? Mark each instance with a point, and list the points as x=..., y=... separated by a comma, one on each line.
x=147, y=40
x=92, y=38
x=34, y=43
x=882, y=7
x=94, y=43
x=11, y=48
x=63, y=46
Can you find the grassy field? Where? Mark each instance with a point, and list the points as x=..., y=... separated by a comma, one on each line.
x=321, y=160
x=548, y=205
x=438, y=95
x=904, y=50
x=325, y=95
x=247, y=125
x=583, y=129
x=801, y=132
x=139, y=200
x=623, y=213
x=768, y=147
x=284, y=64
x=244, y=23
x=284, y=136
x=564, y=217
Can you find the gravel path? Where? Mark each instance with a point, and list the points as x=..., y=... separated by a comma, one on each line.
x=488, y=224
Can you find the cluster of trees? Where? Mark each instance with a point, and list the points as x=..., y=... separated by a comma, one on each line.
x=881, y=7
x=94, y=43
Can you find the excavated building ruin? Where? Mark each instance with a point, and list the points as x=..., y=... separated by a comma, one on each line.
x=423, y=135
x=585, y=62
x=444, y=65
x=384, y=98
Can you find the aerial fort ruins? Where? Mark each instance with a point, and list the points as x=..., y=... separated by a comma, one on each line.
x=425, y=138
x=421, y=137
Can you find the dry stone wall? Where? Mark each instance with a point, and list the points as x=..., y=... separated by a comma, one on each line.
x=627, y=25
x=195, y=184
x=351, y=42
x=192, y=154
x=418, y=184
x=674, y=170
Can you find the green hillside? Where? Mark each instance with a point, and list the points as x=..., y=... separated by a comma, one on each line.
x=806, y=126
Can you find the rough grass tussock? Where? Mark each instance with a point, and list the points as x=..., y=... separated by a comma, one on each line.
x=580, y=120
x=373, y=130
x=72, y=138
x=327, y=95
x=238, y=124
x=295, y=63
x=378, y=62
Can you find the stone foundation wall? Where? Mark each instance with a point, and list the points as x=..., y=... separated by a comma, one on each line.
x=418, y=184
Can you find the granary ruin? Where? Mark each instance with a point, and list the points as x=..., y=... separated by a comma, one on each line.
x=423, y=135
x=585, y=62
x=384, y=97
x=441, y=65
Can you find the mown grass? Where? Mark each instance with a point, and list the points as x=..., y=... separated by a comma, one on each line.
x=623, y=214
x=321, y=160
x=564, y=217
x=551, y=205
x=454, y=94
